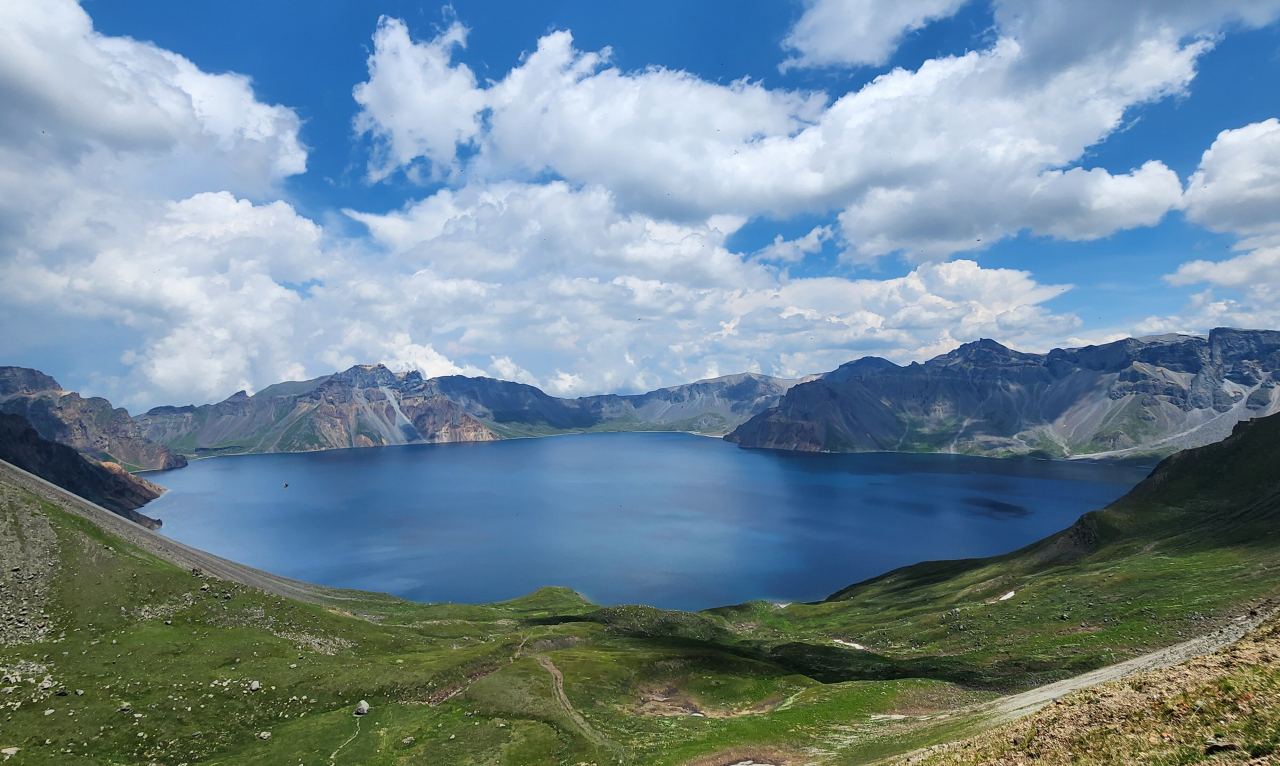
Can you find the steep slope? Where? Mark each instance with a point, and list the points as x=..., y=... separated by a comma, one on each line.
x=372, y=406
x=1221, y=495
x=106, y=484
x=1220, y=707
x=147, y=651
x=1135, y=397
x=713, y=406
x=364, y=406
x=91, y=426
x=706, y=406
x=1191, y=549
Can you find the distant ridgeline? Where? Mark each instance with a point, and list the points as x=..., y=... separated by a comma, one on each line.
x=1140, y=397
x=1132, y=398
x=368, y=406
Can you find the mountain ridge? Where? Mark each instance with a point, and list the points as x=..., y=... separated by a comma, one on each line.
x=91, y=426
x=1136, y=397
x=106, y=484
x=369, y=405
x=141, y=623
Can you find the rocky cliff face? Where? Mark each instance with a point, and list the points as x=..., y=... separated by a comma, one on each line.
x=1140, y=396
x=106, y=484
x=714, y=406
x=372, y=406
x=708, y=406
x=90, y=426
x=364, y=406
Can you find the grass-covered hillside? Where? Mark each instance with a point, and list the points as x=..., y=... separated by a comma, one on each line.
x=121, y=647
x=1220, y=708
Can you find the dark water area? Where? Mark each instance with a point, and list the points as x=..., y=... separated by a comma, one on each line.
x=671, y=520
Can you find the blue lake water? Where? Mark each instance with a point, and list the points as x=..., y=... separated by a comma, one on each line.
x=670, y=520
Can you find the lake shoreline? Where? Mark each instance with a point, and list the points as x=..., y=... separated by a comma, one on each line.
x=1137, y=463
x=723, y=525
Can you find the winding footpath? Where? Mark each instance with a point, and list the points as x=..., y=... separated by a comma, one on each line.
x=557, y=679
x=1015, y=706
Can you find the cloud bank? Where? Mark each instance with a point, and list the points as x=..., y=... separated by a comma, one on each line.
x=576, y=221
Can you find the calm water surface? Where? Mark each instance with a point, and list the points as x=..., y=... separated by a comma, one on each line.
x=671, y=520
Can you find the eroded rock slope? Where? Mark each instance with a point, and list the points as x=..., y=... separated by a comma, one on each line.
x=1135, y=397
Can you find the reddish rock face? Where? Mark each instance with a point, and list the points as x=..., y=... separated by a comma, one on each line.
x=106, y=484
x=90, y=426
x=368, y=405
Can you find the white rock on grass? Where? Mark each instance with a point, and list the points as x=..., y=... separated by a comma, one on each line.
x=254, y=686
x=264, y=735
x=362, y=707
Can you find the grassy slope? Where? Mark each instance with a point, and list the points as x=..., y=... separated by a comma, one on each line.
x=463, y=681
x=1177, y=556
x=1222, y=708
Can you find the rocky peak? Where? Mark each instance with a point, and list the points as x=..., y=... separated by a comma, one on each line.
x=366, y=376
x=23, y=380
x=1180, y=353
x=1246, y=357
x=984, y=353
x=867, y=365
x=411, y=379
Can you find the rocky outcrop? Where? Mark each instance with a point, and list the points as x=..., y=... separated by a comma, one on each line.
x=365, y=406
x=714, y=406
x=90, y=426
x=1135, y=397
x=106, y=484
x=368, y=405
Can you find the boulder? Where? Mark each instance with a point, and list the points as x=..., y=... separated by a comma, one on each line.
x=362, y=707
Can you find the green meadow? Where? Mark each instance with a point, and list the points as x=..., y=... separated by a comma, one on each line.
x=114, y=656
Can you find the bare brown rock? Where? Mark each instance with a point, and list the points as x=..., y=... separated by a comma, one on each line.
x=90, y=426
x=106, y=484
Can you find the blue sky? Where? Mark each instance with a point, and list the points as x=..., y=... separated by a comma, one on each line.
x=206, y=197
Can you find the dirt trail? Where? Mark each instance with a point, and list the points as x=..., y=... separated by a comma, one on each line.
x=334, y=755
x=1015, y=706
x=558, y=681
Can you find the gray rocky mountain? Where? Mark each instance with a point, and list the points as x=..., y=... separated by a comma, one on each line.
x=106, y=484
x=372, y=406
x=90, y=426
x=1138, y=397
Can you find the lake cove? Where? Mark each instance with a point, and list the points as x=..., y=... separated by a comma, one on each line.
x=669, y=520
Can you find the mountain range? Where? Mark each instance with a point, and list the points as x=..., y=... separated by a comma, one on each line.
x=1138, y=397
x=1135, y=398
x=368, y=406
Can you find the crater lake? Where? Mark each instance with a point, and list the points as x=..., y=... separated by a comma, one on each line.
x=670, y=520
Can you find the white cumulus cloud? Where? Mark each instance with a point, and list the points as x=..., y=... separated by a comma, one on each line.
x=947, y=158
x=859, y=32
x=140, y=197
x=1235, y=190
